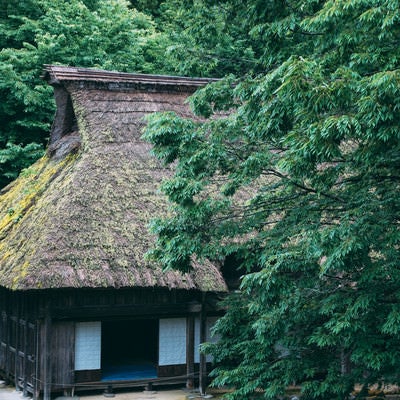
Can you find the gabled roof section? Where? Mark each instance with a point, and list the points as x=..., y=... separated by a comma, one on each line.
x=79, y=216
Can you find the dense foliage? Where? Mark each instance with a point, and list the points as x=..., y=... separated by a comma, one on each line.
x=211, y=38
x=296, y=177
x=86, y=33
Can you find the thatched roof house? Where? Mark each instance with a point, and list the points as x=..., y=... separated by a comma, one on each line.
x=76, y=222
x=79, y=216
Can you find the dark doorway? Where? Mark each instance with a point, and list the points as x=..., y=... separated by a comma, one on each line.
x=129, y=349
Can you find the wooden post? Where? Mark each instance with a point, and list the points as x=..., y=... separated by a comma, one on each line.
x=17, y=342
x=7, y=328
x=36, y=384
x=47, y=356
x=190, y=351
x=203, y=332
x=24, y=323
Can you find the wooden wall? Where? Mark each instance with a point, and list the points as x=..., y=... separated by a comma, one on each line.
x=37, y=329
x=62, y=354
x=18, y=340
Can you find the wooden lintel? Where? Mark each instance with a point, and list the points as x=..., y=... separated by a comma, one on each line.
x=126, y=310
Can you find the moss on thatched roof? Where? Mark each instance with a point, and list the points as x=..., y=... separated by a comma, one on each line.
x=79, y=216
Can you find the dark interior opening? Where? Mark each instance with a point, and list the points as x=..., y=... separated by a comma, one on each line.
x=65, y=121
x=232, y=271
x=129, y=349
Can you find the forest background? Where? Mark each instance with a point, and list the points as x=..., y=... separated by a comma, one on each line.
x=296, y=189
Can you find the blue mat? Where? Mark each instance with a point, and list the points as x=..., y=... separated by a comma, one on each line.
x=125, y=372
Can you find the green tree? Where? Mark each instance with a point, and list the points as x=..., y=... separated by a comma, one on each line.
x=296, y=177
x=209, y=38
x=149, y=7
x=87, y=33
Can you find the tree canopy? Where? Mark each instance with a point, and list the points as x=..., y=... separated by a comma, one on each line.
x=87, y=33
x=290, y=176
x=294, y=174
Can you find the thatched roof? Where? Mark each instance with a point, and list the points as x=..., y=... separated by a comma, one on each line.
x=79, y=216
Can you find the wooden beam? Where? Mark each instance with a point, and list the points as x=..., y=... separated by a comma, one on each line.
x=203, y=338
x=7, y=328
x=17, y=343
x=47, y=356
x=36, y=385
x=24, y=326
x=190, y=351
x=126, y=310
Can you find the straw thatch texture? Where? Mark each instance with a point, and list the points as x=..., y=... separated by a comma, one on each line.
x=79, y=216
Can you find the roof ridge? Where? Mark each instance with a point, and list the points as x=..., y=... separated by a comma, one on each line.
x=58, y=73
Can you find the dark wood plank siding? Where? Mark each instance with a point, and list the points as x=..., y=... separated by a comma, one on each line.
x=90, y=375
x=171, y=370
x=62, y=354
x=96, y=304
x=18, y=339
